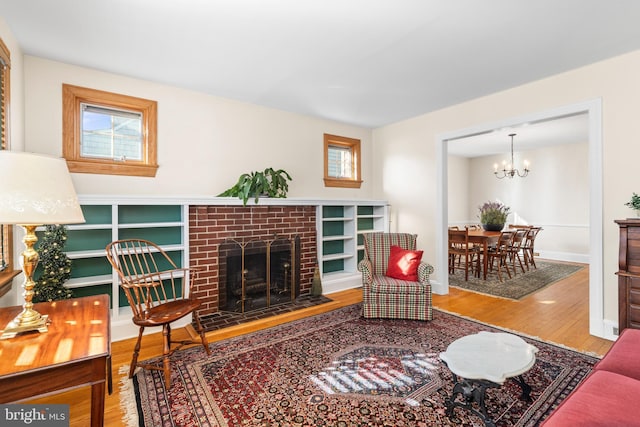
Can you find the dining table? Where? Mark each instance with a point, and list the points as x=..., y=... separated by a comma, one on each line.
x=484, y=239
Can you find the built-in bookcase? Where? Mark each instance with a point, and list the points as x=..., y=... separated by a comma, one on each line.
x=341, y=227
x=164, y=221
x=109, y=220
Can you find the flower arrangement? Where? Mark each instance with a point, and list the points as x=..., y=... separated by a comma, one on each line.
x=493, y=213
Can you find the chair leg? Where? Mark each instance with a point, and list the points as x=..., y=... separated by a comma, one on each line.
x=466, y=268
x=136, y=351
x=498, y=269
x=506, y=265
x=203, y=337
x=517, y=256
x=532, y=259
x=478, y=266
x=166, y=334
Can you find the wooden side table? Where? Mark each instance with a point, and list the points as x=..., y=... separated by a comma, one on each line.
x=75, y=352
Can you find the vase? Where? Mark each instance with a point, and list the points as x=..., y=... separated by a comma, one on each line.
x=493, y=227
x=316, y=282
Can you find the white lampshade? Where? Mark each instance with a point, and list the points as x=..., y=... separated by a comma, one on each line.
x=36, y=189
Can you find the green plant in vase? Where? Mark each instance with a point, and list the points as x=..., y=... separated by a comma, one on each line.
x=493, y=215
x=634, y=204
x=267, y=183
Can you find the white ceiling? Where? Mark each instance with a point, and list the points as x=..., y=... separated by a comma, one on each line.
x=363, y=62
x=528, y=136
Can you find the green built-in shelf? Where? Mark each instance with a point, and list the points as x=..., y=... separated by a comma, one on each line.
x=342, y=228
x=332, y=212
x=135, y=214
x=158, y=235
x=108, y=220
x=97, y=214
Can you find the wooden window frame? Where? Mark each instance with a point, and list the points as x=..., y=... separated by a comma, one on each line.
x=73, y=97
x=6, y=275
x=354, y=146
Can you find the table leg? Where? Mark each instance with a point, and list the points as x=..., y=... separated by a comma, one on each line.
x=485, y=251
x=473, y=393
x=526, y=388
x=97, y=404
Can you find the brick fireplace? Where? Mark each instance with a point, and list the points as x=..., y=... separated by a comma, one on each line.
x=212, y=226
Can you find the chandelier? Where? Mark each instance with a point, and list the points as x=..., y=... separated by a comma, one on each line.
x=508, y=169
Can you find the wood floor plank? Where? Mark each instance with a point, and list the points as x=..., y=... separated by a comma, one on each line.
x=558, y=313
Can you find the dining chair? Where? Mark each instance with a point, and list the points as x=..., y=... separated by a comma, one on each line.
x=519, y=226
x=462, y=254
x=499, y=254
x=516, y=248
x=528, y=247
x=156, y=289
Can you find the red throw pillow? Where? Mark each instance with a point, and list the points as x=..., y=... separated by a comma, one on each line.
x=403, y=264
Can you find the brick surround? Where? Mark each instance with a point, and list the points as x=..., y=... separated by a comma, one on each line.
x=209, y=226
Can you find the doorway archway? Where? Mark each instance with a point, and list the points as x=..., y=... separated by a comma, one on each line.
x=593, y=109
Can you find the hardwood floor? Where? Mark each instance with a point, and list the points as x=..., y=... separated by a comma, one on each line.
x=557, y=314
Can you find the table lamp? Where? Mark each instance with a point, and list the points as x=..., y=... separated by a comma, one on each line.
x=34, y=190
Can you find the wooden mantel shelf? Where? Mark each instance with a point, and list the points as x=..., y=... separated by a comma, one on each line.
x=221, y=201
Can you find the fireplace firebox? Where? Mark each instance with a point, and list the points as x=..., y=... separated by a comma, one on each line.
x=258, y=274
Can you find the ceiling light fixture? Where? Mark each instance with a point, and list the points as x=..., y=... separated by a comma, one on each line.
x=508, y=169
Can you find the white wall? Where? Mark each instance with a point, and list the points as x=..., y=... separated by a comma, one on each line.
x=204, y=142
x=614, y=81
x=459, y=193
x=554, y=196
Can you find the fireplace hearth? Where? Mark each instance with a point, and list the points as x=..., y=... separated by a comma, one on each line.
x=259, y=273
x=212, y=226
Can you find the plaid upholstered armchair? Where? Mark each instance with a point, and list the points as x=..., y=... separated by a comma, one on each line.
x=389, y=289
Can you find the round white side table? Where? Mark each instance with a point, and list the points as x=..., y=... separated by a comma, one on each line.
x=486, y=360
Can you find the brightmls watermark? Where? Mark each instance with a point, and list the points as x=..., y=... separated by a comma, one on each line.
x=34, y=415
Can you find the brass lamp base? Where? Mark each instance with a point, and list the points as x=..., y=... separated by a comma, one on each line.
x=16, y=327
x=28, y=319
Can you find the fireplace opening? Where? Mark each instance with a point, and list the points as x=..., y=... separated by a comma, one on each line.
x=258, y=274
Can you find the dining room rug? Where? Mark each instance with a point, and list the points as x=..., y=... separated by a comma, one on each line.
x=520, y=285
x=340, y=369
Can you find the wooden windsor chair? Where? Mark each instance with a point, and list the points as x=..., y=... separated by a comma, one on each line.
x=156, y=289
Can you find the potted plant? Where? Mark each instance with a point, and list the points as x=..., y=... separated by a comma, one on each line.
x=493, y=215
x=267, y=183
x=634, y=203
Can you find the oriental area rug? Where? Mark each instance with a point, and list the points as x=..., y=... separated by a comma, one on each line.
x=339, y=369
x=520, y=285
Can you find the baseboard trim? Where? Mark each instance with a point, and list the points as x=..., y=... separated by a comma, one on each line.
x=565, y=256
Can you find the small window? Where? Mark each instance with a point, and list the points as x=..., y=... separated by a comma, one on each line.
x=341, y=162
x=108, y=133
